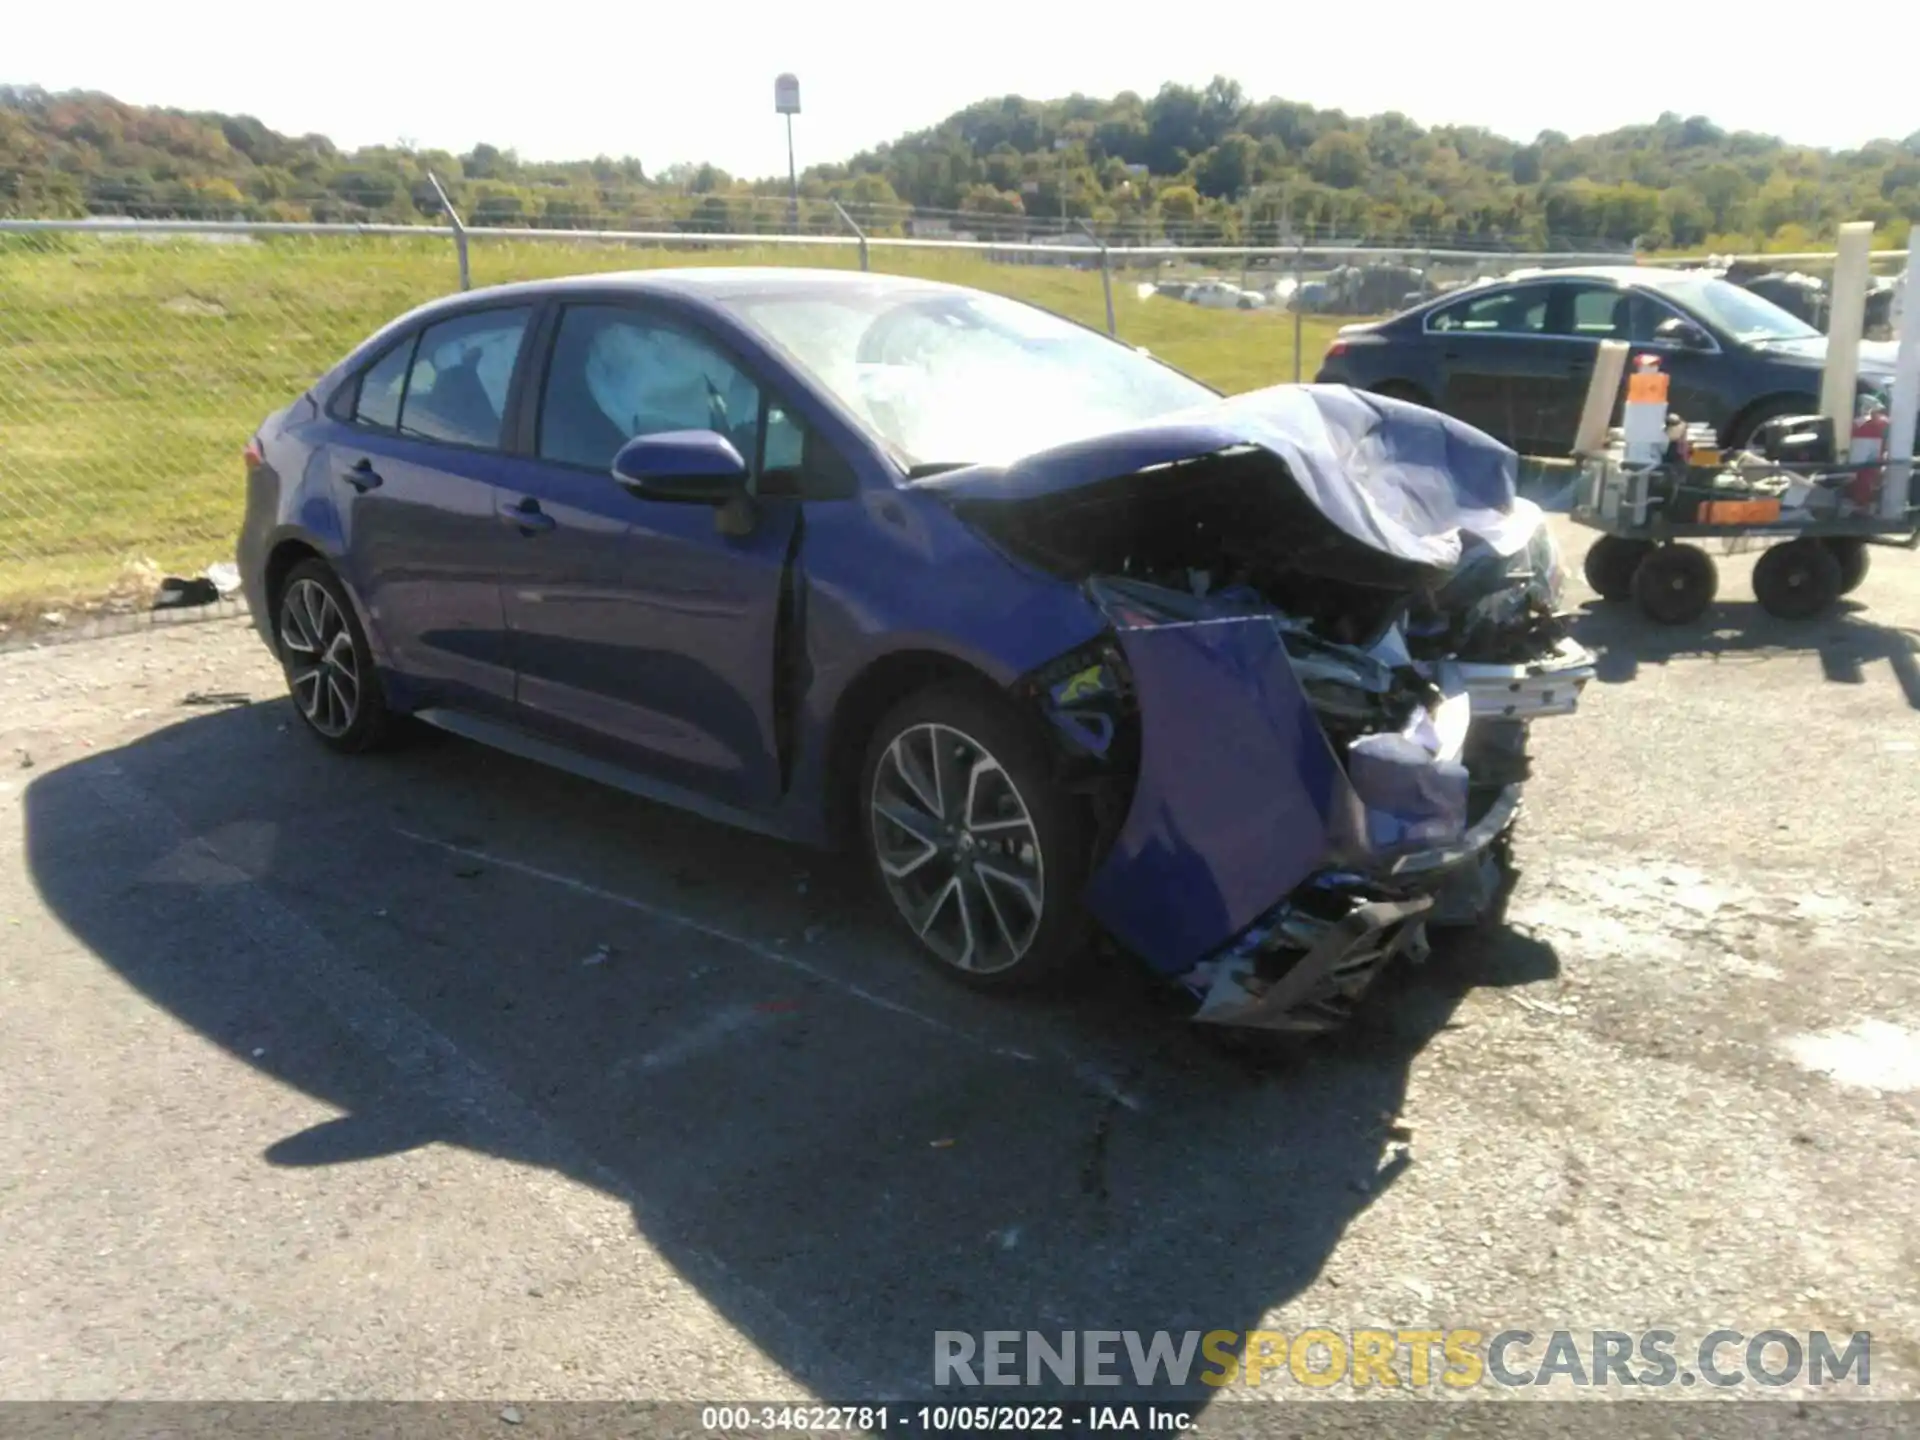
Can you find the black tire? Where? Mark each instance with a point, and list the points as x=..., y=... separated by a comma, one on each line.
x=1018, y=945
x=1610, y=565
x=345, y=712
x=1797, y=580
x=1675, y=584
x=1855, y=560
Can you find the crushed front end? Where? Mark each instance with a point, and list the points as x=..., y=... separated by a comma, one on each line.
x=1297, y=813
x=1305, y=733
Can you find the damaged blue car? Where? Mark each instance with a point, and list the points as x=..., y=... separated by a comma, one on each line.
x=1067, y=643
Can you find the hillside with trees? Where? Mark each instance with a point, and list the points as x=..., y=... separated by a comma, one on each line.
x=1192, y=165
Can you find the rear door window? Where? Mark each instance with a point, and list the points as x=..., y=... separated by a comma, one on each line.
x=456, y=389
x=1500, y=312
x=380, y=388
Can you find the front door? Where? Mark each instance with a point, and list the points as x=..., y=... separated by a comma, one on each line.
x=640, y=631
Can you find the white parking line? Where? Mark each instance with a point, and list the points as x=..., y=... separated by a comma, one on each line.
x=714, y=932
x=1088, y=1074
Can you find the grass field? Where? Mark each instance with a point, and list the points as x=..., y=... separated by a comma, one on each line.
x=133, y=369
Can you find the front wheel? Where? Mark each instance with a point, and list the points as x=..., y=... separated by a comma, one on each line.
x=1675, y=584
x=978, y=853
x=1610, y=565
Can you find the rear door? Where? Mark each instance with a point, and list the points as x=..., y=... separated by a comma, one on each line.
x=640, y=631
x=416, y=468
x=1580, y=314
x=1487, y=349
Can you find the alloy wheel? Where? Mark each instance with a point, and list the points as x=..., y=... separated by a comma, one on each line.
x=316, y=645
x=957, y=847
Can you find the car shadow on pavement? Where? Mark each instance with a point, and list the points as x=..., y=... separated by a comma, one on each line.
x=1847, y=642
x=843, y=1151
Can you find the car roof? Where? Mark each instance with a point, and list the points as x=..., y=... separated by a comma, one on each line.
x=713, y=284
x=708, y=285
x=1653, y=276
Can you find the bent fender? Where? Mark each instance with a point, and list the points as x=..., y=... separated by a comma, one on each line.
x=1239, y=796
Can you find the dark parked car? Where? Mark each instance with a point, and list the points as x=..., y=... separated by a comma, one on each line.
x=1514, y=358
x=846, y=558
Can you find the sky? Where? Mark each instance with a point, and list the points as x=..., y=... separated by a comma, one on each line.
x=569, y=79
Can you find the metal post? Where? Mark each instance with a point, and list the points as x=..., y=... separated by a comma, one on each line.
x=1904, y=413
x=1106, y=276
x=847, y=220
x=459, y=229
x=793, y=181
x=1299, y=301
x=1060, y=144
x=1842, y=365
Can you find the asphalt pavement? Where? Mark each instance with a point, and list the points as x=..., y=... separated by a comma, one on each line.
x=437, y=1075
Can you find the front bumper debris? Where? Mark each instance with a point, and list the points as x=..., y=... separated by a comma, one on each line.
x=1304, y=965
x=1307, y=972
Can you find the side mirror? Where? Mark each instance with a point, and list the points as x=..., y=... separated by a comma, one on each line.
x=1683, y=333
x=691, y=467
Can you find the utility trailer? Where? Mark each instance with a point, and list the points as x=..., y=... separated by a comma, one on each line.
x=1805, y=487
x=1815, y=519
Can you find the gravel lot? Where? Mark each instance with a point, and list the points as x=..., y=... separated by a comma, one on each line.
x=438, y=1075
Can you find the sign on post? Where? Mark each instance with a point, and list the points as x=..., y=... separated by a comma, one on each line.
x=786, y=95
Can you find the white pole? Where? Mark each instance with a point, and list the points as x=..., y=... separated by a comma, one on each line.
x=1845, y=317
x=1905, y=410
x=1603, y=393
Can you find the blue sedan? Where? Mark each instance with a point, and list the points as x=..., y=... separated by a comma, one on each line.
x=1066, y=643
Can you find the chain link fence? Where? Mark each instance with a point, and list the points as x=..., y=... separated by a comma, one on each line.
x=136, y=358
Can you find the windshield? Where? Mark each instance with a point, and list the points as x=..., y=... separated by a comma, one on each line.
x=952, y=378
x=1741, y=313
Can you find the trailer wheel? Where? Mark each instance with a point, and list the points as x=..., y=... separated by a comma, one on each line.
x=1854, y=558
x=1610, y=564
x=1797, y=580
x=1675, y=584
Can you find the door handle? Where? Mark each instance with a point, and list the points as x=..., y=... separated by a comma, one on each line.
x=527, y=517
x=363, y=477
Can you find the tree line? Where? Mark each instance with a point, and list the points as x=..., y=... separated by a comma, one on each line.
x=1194, y=165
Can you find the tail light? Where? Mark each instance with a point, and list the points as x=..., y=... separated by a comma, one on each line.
x=1338, y=347
x=253, y=455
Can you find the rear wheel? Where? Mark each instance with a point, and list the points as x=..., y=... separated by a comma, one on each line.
x=1854, y=558
x=327, y=661
x=1610, y=563
x=1675, y=584
x=1797, y=580
x=1740, y=433
x=977, y=852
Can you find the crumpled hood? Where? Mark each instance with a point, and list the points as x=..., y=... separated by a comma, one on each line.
x=1391, y=477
